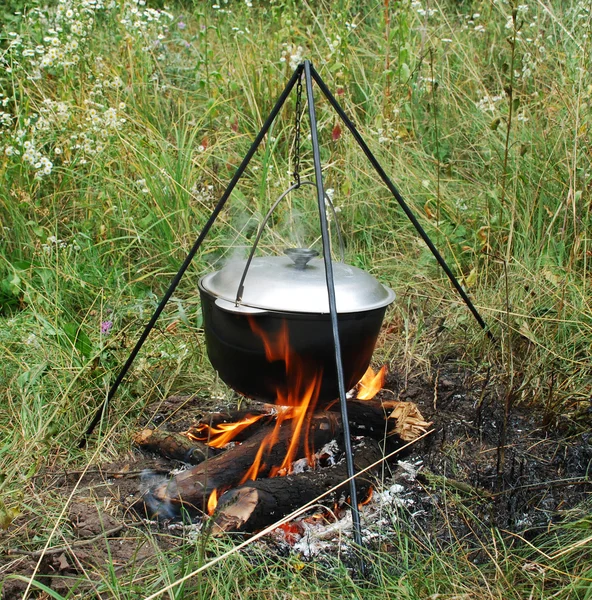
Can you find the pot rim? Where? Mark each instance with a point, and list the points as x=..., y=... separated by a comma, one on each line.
x=227, y=302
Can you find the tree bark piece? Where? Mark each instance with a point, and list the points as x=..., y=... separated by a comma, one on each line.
x=191, y=489
x=173, y=445
x=257, y=504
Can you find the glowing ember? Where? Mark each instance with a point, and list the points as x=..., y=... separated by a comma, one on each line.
x=371, y=383
x=212, y=502
x=368, y=497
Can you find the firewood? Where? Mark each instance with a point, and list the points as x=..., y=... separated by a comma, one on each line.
x=373, y=418
x=173, y=445
x=256, y=504
x=378, y=419
x=191, y=489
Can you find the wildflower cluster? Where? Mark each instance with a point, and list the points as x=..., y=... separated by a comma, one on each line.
x=63, y=131
x=149, y=24
x=471, y=23
x=336, y=52
x=530, y=37
x=5, y=116
x=389, y=131
x=38, y=131
x=59, y=36
x=54, y=244
x=292, y=54
x=202, y=194
x=220, y=11
x=581, y=11
x=489, y=103
x=421, y=11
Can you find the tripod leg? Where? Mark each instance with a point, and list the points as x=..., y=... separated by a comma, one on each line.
x=357, y=531
x=395, y=192
x=175, y=282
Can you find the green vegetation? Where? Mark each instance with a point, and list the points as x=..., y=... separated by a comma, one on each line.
x=121, y=125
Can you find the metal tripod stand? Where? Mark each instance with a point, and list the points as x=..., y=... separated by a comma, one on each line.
x=307, y=71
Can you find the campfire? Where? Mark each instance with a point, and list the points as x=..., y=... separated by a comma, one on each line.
x=252, y=467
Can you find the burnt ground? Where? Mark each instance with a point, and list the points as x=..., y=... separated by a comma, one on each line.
x=507, y=469
x=495, y=456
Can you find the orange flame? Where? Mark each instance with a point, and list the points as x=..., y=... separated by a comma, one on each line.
x=212, y=501
x=371, y=383
x=295, y=402
x=223, y=433
x=298, y=402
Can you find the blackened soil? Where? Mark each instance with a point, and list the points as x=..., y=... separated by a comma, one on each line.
x=490, y=457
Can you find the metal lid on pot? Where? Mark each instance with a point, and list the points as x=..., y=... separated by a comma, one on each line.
x=296, y=283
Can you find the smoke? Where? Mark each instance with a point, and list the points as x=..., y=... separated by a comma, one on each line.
x=158, y=507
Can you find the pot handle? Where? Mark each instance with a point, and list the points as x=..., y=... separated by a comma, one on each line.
x=241, y=286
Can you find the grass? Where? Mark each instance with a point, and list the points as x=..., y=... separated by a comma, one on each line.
x=482, y=121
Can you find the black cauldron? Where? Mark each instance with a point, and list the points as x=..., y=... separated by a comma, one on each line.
x=287, y=295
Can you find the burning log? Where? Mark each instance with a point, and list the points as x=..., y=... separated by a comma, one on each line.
x=265, y=454
x=173, y=445
x=371, y=418
x=256, y=504
x=217, y=429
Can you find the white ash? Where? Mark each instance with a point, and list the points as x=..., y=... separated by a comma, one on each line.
x=318, y=538
x=377, y=518
x=299, y=466
x=178, y=470
x=410, y=470
x=329, y=452
x=391, y=496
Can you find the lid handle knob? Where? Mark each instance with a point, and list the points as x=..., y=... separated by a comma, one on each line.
x=301, y=256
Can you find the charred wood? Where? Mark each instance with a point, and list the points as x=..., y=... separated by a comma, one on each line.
x=173, y=445
x=257, y=504
x=212, y=422
x=400, y=420
x=191, y=489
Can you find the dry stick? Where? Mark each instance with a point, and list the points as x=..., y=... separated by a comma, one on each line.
x=510, y=93
x=286, y=519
